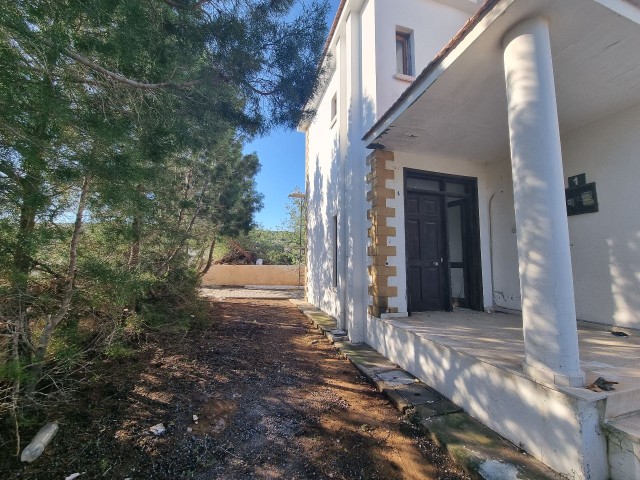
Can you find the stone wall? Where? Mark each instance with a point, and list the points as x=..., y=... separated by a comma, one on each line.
x=379, y=233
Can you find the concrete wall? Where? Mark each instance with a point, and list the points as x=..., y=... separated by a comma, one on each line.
x=363, y=50
x=605, y=246
x=242, y=275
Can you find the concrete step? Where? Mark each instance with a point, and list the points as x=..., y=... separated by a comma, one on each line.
x=321, y=320
x=623, y=440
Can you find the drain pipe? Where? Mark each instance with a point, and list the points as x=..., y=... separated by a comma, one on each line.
x=493, y=292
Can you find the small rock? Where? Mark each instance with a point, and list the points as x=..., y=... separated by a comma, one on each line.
x=195, y=418
x=158, y=429
x=189, y=429
x=315, y=342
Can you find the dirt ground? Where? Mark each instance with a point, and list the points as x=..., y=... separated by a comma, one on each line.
x=273, y=400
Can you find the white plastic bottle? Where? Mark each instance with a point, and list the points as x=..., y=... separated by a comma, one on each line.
x=39, y=442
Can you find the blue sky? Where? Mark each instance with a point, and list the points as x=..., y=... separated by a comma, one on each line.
x=281, y=154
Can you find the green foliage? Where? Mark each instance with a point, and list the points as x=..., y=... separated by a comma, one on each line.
x=12, y=370
x=118, y=350
x=121, y=131
x=295, y=224
x=272, y=246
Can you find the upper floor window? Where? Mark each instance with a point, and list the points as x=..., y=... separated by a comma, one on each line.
x=404, y=60
x=334, y=107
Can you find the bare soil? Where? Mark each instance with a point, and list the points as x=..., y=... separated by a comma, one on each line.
x=273, y=400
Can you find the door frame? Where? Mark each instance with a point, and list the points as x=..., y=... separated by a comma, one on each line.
x=471, y=236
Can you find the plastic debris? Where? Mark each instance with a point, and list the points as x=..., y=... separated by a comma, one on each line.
x=39, y=442
x=72, y=476
x=195, y=418
x=158, y=429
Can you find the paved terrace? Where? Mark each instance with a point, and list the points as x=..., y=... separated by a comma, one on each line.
x=497, y=340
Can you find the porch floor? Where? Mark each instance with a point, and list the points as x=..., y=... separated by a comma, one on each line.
x=496, y=338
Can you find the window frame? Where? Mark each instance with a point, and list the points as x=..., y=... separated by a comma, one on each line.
x=405, y=38
x=334, y=109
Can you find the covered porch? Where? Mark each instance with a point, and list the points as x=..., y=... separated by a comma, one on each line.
x=475, y=359
x=528, y=91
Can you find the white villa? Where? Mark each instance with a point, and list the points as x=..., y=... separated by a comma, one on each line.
x=472, y=176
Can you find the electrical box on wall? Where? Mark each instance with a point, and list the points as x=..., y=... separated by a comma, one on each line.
x=581, y=196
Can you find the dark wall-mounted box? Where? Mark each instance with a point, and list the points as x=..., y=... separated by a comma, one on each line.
x=582, y=199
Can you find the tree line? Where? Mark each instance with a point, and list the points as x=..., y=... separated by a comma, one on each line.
x=122, y=124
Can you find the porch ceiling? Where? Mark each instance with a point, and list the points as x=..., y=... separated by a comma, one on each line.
x=459, y=109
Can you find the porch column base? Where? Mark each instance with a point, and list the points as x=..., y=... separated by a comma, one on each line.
x=548, y=377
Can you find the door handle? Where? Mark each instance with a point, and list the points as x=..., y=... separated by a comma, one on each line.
x=435, y=264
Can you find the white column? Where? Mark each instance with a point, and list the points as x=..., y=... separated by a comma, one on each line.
x=355, y=206
x=546, y=281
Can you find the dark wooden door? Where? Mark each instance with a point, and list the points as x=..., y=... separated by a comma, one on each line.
x=425, y=252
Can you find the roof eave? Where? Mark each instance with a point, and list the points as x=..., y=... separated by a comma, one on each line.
x=487, y=14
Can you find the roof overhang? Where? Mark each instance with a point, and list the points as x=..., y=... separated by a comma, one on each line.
x=457, y=106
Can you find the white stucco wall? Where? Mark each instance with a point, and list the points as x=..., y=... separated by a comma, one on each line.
x=323, y=197
x=369, y=82
x=433, y=24
x=506, y=281
x=605, y=246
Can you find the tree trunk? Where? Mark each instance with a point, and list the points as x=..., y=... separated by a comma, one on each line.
x=206, y=268
x=54, y=320
x=22, y=265
x=134, y=249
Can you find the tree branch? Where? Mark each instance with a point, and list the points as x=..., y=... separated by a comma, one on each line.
x=175, y=4
x=127, y=81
